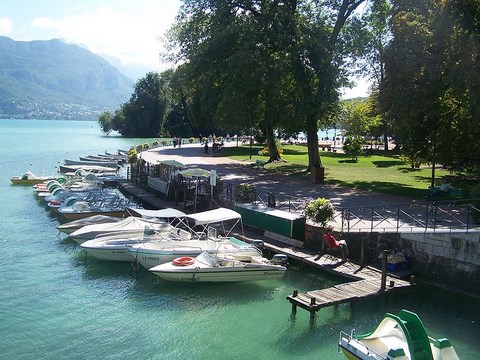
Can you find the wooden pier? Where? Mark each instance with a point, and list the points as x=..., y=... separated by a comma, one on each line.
x=366, y=281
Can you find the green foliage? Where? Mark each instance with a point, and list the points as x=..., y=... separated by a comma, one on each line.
x=105, y=121
x=430, y=87
x=352, y=146
x=244, y=193
x=320, y=211
x=132, y=156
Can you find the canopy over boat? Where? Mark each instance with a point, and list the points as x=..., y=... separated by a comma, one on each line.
x=219, y=215
x=167, y=213
x=214, y=216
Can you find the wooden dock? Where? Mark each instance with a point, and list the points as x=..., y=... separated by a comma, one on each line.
x=366, y=281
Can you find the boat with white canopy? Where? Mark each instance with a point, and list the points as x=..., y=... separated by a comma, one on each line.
x=206, y=238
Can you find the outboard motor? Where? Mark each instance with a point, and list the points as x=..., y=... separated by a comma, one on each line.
x=259, y=244
x=280, y=259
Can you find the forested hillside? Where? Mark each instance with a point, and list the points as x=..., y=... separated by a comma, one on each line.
x=55, y=80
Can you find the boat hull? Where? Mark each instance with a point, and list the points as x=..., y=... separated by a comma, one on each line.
x=150, y=258
x=107, y=253
x=219, y=275
x=17, y=180
x=80, y=215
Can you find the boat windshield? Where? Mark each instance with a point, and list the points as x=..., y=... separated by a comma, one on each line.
x=208, y=259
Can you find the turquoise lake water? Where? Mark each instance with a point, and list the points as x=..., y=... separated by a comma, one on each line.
x=57, y=304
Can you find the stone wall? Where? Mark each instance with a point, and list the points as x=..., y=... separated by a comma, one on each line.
x=446, y=260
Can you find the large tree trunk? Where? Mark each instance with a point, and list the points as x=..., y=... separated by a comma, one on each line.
x=314, y=161
x=272, y=147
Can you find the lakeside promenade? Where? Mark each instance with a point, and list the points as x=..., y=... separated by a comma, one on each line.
x=237, y=172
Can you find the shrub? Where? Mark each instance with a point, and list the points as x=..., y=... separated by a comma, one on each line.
x=132, y=156
x=266, y=152
x=320, y=211
x=353, y=147
x=191, y=140
x=244, y=193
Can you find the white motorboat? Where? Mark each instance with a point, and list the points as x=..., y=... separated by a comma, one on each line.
x=30, y=178
x=115, y=247
x=126, y=227
x=401, y=337
x=227, y=268
x=74, y=225
x=150, y=254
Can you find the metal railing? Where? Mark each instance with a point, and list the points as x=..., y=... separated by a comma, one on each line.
x=433, y=216
x=453, y=215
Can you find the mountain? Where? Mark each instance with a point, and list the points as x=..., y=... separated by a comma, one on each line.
x=54, y=80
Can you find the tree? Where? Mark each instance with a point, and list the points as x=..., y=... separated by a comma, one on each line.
x=236, y=71
x=318, y=57
x=369, y=36
x=353, y=146
x=105, y=122
x=431, y=81
x=147, y=106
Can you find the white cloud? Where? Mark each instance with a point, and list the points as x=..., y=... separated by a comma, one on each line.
x=6, y=26
x=131, y=37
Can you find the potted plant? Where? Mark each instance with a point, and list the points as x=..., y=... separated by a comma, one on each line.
x=320, y=211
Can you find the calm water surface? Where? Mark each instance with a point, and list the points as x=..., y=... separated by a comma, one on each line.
x=56, y=304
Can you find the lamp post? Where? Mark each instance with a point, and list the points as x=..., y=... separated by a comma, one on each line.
x=434, y=145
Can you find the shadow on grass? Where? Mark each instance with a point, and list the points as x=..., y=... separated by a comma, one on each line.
x=384, y=187
x=386, y=163
x=348, y=161
x=409, y=169
x=289, y=169
x=241, y=151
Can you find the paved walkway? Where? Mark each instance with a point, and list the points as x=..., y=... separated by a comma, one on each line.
x=238, y=172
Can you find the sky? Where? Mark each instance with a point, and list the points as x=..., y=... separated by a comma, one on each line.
x=127, y=30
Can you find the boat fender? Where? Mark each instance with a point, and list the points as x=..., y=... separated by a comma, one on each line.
x=259, y=244
x=183, y=261
x=280, y=259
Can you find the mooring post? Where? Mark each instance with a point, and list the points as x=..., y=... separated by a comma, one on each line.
x=294, y=307
x=384, y=270
x=362, y=251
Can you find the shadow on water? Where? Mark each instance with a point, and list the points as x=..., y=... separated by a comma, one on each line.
x=148, y=290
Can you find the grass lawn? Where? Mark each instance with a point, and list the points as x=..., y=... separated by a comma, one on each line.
x=377, y=171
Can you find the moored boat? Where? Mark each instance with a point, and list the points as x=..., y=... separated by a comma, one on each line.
x=207, y=267
x=111, y=164
x=114, y=247
x=30, y=178
x=126, y=227
x=150, y=254
x=400, y=337
x=74, y=225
